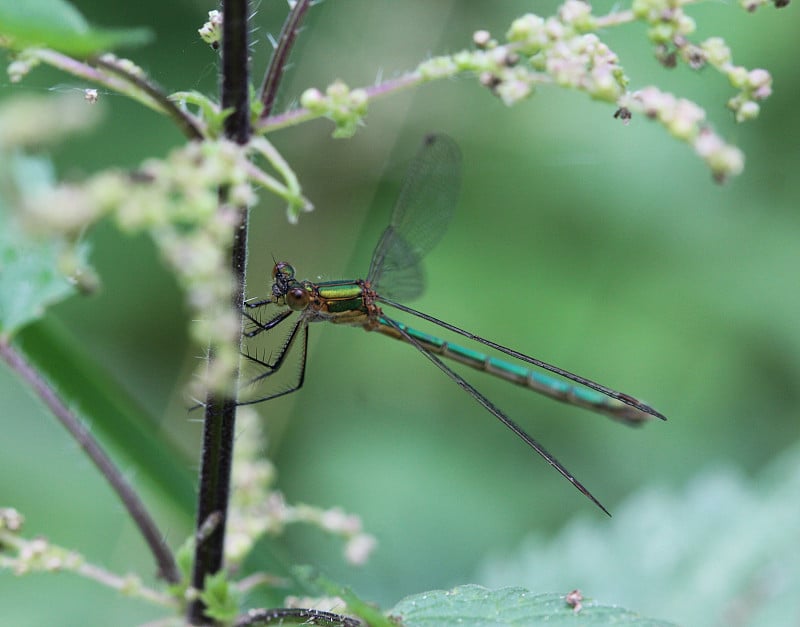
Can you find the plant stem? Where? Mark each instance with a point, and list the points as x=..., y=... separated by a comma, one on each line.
x=123, y=82
x=615, y=18
x=296, y=615
x=167, y=569
x=296, y=116
x=269, y=88
x=235, y=82
x=220, y=415
x=187, y=123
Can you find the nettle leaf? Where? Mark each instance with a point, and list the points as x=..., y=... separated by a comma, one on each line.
x=220, y=597
x=476, y=606
x=30, y=279
x=30, y=276
x=208, y=109
x=725, y=549
x=58, y=25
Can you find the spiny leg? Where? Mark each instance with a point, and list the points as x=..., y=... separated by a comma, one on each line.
x=260, y=327
x=270, y=369
x=257, y=303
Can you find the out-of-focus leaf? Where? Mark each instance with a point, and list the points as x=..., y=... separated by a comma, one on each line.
x=33, y=121
x=29, y=276
x=727, y=550
x=220, y=597
x=59, y=25
x=476, y=606
x=115, y=416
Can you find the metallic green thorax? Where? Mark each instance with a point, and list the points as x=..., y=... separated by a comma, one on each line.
x=342, y=300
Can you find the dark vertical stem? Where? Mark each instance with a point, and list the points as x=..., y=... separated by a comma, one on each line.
x=220, y=415
x=235, y=79
x=269, y=88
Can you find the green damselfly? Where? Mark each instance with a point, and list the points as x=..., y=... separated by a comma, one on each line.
x=421, y=214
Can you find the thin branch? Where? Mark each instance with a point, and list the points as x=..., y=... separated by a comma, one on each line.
x=167, y=568
x=615, y=19
x=187, y=123
x=115, y=77
x=37, y=555
x=269, y=88
x=90, y=73
x=220, y=415
x=295, y=116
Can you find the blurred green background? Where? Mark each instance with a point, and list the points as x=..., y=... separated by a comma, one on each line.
x=605, y=249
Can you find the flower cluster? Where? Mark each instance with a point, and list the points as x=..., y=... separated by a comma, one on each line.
x=257, y=508
x=752, y=5
x=561, y=49
x=211, y=31
x=345, y=107
x=22, y=556
x=176, y=201
x=669, y=29
x=685, y=121
x=556, y=50
x=30, y=122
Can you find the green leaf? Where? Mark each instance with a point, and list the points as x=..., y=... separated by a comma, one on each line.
x=116, y=417
x=220, y=597
x=476, y=606
x=30, y=279
x=725, y=546
x=32, y=276
x=209, y=110
x=318, y=583
x=57, y=24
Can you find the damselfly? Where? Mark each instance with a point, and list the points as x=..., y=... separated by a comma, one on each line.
x=423, y=210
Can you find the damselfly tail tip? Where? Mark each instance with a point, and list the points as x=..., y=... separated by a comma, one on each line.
x=654, y=412
x=590, y=496
x=644, y=407
x=600, y=505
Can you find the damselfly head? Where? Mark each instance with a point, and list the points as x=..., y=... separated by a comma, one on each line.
x=282, y=271
x=282, y=279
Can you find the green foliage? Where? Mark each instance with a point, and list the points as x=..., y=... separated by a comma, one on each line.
x=220, y=597
x=343, y=106
x=476, y=606
x=30, y=279
x=321, y=585
x=114, y=413
x=208, y=108
x=57, y=24
x=32, y=276
x=177, y=196
x=735, y=556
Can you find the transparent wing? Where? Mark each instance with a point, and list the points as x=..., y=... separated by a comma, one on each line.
x=421, y=214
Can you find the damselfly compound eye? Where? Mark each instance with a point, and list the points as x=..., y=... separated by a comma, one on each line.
x=283, y=271
x=297, y=299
